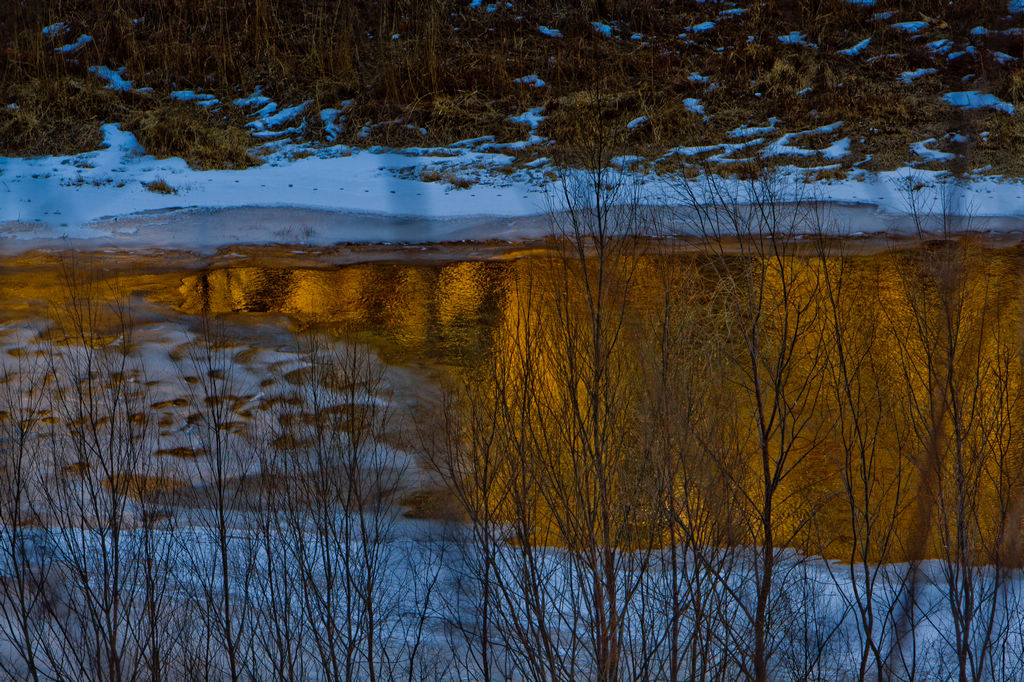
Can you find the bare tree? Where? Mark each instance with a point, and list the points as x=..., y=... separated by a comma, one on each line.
x=773, y=354
x=26, y=561
x=222, y=560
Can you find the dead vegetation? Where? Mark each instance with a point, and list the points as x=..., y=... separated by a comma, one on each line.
x=433, y=73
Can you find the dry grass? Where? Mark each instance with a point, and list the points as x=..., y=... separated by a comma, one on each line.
x=159, y=186
x=450, y=74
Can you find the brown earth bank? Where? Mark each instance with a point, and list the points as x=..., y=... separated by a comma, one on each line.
x=433, y=73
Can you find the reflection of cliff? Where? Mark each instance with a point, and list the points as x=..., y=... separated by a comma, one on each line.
x=422, y=309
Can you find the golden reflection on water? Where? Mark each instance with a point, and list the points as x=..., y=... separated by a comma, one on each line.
x=413, y=312
x=893, y=319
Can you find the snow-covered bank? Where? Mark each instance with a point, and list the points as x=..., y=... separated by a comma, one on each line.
x=119, y=196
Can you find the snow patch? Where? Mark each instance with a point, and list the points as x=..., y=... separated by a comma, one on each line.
x=203, y=100
x=57, y=29
x=911, y=26
x=745, y=131
x=530, y=117
x=532, y=80
x=797, y=38
x=856, y=49
x=82, y=41
x=256, y=99
x=115, y=79
x=693, y=105
x=267, y=119
x=922, y=150
x=973, y=99
x=909, y=76
x=782, y=146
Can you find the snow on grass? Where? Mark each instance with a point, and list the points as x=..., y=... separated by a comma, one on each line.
x=910, y=76
x=941, y=46
x=700, y=28
x=736, y=11
x=602, y=28
x=973, y=99
x=922, y=150
x=332, y=119
x=636, y=122
x=115, y=79
x=693, y=105
x=256, y=99
x=203, y=100
x=550, y=32
x=532, y=80
x=725, y=148
x=82, y=41
x=54, y=30
x=67, y=192
x=695, y=77
x=745, y=131
x=837, y=149
x=99, y=195
x=1003, y=58
x=266, y=120
x=1015, y=7
x=970, y=49
x=531, y=117
x=910, y=26
x=797, y=38
x=625, y=161
x=856, y=49
x=782, y=146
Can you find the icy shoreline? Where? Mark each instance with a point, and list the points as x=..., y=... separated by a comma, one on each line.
x=327, y=196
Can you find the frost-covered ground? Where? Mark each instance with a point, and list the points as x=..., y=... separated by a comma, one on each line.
x=109, y=197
